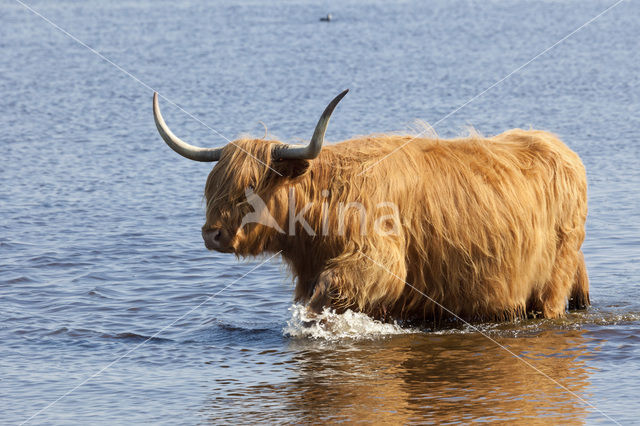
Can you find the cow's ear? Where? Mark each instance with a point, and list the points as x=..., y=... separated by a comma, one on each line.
x=291, y=168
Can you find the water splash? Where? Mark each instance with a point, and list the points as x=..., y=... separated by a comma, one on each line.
x=355, y=325
x=332, y=326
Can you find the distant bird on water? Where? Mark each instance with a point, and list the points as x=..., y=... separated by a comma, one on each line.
x=326, y=18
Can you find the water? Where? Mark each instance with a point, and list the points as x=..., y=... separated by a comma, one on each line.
x=100, y=244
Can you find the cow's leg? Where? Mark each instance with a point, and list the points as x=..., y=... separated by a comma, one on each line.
x=324, y=292
x=559, y=288
x=367, y=281
x=579, y=298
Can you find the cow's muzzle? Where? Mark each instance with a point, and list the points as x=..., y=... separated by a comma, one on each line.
x=217, y=239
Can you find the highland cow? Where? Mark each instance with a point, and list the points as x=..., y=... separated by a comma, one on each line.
x=475, y=228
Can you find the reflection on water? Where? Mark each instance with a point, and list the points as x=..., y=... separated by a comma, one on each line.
x=424, y=377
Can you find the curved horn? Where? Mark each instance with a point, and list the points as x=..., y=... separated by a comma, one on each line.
x=312, y=150
x=178, y=145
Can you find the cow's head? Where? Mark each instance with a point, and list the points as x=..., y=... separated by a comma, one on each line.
x=248, y=170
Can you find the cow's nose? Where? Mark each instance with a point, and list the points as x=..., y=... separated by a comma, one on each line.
x=215, y=239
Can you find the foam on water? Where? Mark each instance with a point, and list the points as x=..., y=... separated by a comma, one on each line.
x=355, y=325
x=330, y=325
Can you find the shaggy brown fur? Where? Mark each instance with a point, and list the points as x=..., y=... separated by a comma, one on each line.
x=490, y=228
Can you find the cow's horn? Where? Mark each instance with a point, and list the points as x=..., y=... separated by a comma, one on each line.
x=177, y=144
x=312, y=150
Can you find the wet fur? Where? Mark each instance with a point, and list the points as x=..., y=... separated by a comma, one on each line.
x=490, y=228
